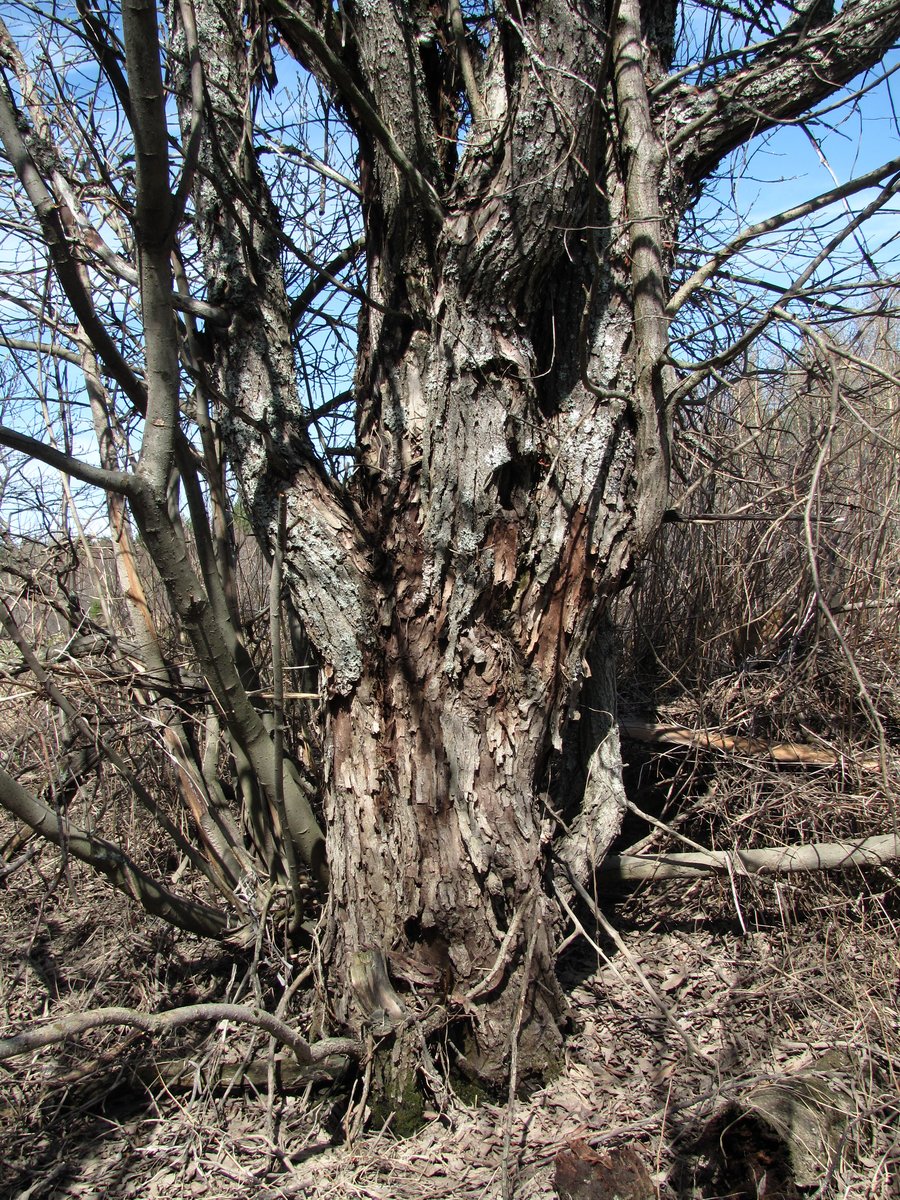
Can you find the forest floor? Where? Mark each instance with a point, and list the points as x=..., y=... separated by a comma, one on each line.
x=752, y=979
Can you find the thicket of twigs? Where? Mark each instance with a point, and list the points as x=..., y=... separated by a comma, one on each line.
x=768, y=610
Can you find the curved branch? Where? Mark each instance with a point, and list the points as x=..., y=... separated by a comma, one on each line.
x=122, y=872
x=77, y=1023
x=119, y=482
x=51, y=349
x=800, y=68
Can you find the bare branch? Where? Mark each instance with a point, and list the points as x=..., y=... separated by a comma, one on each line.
x=476, y=103
x=195, y=128
x=326, y=275
x=68, y=269
x=795, y=754
x=818, y=856
x=154, y=215
x=300, y=32
x=74, y=1024
x=52, y=349
x=125, y=271
x=122, y=872
x=703, y=274
x=699, y=371
x=62, y=702
x=794, y=72
x=111, y=481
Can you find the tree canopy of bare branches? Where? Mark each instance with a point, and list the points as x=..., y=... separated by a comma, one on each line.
x=417, y=299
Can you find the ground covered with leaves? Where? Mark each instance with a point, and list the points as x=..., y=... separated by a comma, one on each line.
x=713, y=995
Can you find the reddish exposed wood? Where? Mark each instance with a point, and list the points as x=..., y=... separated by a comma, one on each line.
x=793, y=753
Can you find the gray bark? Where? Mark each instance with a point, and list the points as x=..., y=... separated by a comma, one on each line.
x=513, y=429
x=111, y=861
x=776, y=860
x=513, y=419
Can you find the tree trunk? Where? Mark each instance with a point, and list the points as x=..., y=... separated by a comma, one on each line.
x=514, y=413
x=523, y=172
x=512, y=457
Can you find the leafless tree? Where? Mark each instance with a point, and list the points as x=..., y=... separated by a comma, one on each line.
x=536, y=302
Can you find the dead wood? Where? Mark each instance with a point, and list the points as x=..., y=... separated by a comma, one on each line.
x=818, y=856
x=784, y=1135
x=790, y=753
x=76, y=1023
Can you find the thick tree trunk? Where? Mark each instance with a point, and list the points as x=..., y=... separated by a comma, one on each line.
x=512, y=456
x=513, y=425
x=441, y=756
x=437, y=842
x=440, y=830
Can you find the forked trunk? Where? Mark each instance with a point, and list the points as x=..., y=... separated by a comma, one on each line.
x=511, y=457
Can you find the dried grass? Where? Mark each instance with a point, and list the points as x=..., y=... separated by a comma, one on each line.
x=766, y=975
x=813, y=968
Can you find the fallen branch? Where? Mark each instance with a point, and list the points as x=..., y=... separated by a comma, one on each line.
x=77, y=1023
x=821, y=856
x=795, y=753
x=122, y=872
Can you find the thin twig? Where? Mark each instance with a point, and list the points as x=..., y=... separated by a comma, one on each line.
x=506, y=1177
x=664, y=1009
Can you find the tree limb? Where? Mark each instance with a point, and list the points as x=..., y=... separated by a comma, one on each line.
x=301, y=34
x=818, y=856
x=327, y=274
x=120, y=482
x=797, y=69
x=77, y=1023
x=712, y=264
x=791, y=753
x=51, y=349
x=154, y=214
x=122, y=872
x=50, y=214
x=699, y=371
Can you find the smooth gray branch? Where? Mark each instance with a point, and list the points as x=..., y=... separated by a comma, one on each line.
x=818, y=856
x=75, y=1024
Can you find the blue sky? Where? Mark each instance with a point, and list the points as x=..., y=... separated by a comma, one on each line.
x=773, y=173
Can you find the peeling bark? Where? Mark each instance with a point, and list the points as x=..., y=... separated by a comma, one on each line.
x=513, y=423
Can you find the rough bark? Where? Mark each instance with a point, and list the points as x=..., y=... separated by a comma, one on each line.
x=499, y=484
x=513, y=410
x=513, y=442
